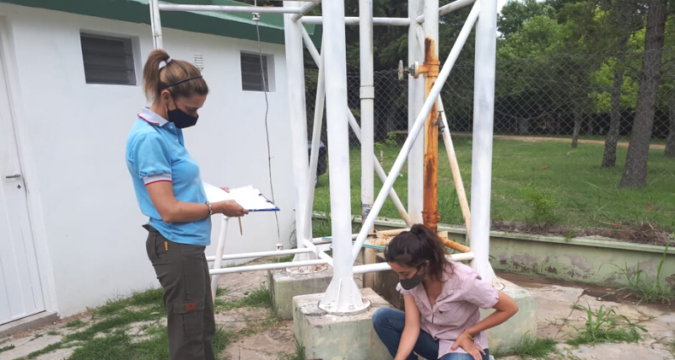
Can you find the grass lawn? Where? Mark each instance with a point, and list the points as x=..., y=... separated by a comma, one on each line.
x=581, y=193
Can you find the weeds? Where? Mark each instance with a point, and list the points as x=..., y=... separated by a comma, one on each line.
x=533, y=347
x=257, y=298
x=7, y=348
x=75, y=323
x=542, y=208
x=604, y=326
x=298, y=355
x=644, y=288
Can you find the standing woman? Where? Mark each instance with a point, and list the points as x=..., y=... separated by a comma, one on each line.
x=170, y=192
x=442, y=301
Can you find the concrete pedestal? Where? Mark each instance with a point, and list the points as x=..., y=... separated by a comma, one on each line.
x=284, y=286
x=333, y=337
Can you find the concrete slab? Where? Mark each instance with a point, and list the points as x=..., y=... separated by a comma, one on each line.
x=284, y=286
x=509, y=334
x=30, y=322
x=327, y=336
x=271, y=344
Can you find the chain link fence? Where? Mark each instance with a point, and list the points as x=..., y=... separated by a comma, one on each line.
x=562, y=129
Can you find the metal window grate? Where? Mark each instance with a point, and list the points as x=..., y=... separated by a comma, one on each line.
x=108, y=60
x=251, y=78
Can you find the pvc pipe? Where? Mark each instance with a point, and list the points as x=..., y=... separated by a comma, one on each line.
x=316, y=138
x=383, y=266
x=260, y=254
x=448, y=8
x=156, y=24
x=298, y=122
x=357, y=132
x=367, y=121
x=220, y=249
x=483, y=122
x=354, y=20
x=271, y=266
x=417, y=126
x=231, y=9
x=342, y=294
x=415, y=100
x=304, y=9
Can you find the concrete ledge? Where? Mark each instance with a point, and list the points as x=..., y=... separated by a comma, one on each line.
x=284, y=286
x=349, y=337
x=591, y=259
x=27, y=323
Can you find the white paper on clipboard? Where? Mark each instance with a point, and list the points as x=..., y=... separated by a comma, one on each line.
x=247, y=196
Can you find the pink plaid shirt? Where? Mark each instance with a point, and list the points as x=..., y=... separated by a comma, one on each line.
x=456, y=308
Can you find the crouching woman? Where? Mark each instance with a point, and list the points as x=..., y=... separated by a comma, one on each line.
x=442, y=302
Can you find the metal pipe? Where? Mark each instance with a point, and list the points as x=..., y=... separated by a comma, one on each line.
x=357, y=132
x=304, y=9
x=431, y=63
x=454, y=167
x=298, y=120
x=417, y=126
x=271, y=266
x=260, y=254
x=483, y=122
x=383, y=266
x=231, y=9
x=220, y=249
x=342, y=294
x=415, y=100
x=156, y=24
x=367, y=121
x=354, y=20
x=448, y=8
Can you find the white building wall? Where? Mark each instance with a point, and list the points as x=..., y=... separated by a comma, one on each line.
x=72, y=135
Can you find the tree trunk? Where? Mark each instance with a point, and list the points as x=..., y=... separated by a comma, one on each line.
x=670, y=143
x=577, y=126
x=523, y=126
x=591, y=125
x=635, y=172
x=609, y=157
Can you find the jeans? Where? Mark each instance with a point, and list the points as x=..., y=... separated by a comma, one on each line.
x=389, y=323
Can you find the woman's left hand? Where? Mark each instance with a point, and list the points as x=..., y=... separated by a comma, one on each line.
x=227, y=189
x=465, y=342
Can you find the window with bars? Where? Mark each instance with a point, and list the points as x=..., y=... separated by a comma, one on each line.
x=108, y=60
x=252, y=74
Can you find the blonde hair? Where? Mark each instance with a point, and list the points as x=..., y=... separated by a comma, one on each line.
x=173, y=77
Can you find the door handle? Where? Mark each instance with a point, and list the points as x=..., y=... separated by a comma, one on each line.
x=15, y=176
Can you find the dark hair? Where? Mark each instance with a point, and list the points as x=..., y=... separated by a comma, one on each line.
x=156, y=79
x=414, y=247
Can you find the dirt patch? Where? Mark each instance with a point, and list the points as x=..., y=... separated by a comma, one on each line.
x=600, y=293
x=560, y=139
x=643, y=234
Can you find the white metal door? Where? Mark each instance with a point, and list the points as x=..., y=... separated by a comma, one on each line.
x=20, y=288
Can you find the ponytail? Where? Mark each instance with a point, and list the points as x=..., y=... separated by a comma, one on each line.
x=181, y=78
x=412, y=248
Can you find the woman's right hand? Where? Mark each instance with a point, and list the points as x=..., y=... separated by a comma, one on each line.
x=228, y=208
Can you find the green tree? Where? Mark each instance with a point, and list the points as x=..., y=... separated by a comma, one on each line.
x=515, y=13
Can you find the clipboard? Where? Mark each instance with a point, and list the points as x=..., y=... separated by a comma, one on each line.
x=248, y=197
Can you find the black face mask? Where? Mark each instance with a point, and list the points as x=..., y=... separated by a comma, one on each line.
x=417, y=279
x=180, y=118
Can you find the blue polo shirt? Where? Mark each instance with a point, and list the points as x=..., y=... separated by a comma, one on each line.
x=156, y=152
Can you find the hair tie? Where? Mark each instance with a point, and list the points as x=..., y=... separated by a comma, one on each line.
x=168, y=60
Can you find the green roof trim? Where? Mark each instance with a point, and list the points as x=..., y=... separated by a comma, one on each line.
x=234, y=25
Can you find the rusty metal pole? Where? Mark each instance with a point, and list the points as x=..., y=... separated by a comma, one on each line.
x=430, y=68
